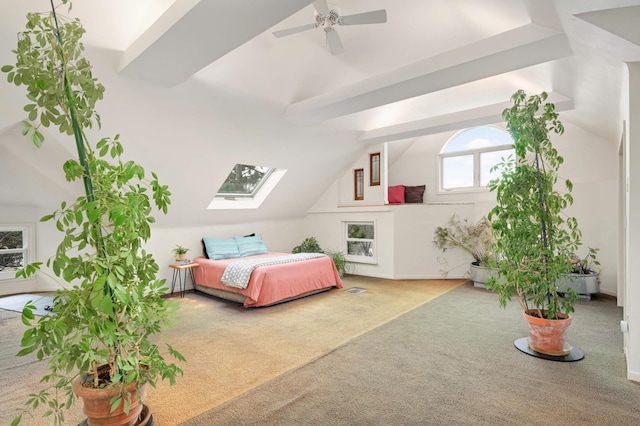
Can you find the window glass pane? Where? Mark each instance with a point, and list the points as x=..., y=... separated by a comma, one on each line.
x=457, y=172
x=360, y=248
x=11, y=240
x=11, y=253
x=360, y=231
x=244, y=180
x=360, y=239
x=490, y=159
x=478, y=138
x=10, y=262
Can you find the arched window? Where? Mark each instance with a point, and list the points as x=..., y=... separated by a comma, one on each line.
x=467, y=158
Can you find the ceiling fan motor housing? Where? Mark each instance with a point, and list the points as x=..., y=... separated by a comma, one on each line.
x=329, y=20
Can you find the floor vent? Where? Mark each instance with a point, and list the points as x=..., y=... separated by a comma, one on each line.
x=355, y=290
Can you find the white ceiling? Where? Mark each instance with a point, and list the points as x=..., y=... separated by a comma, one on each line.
x=435, y=65
x=431, y=58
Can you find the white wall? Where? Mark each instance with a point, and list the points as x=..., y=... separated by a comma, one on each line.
x=279, y=236
x=45, y=242
x=632, y=296
x=590, y=163
x=373, y=195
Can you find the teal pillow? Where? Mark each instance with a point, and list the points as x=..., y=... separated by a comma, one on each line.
x=252, y=245
x=221, y=248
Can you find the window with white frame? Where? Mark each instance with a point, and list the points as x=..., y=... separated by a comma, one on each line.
x=246, y=187
x=14, y=249
x=467, y=159
x=244, y=181
x=360, y=241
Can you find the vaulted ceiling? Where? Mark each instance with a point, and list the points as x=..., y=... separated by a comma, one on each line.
x=434, y=66
x=434, y=63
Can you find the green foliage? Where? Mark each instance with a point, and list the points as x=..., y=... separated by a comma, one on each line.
x=473, y=238
x=243, y=179
x=309, y=245
x=340, y=260
x=585, y=265
x=180, y=249
x=111, y=305
x=533, y=238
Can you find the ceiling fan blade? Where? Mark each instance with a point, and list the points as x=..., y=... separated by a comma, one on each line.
x=321, y=7
x=294, y=30
x=373, y=17
x=333, y=40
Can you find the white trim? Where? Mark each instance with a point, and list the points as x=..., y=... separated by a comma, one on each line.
x=633, y=375
x=368, y=260
x=475, y=154
x=29, y=231
x=254, y=202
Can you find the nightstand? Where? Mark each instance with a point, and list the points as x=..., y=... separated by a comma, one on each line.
x=180, y=272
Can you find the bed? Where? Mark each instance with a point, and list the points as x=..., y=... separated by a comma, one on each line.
x=268, y=284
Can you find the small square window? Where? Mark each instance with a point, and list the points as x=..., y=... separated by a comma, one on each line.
x=14, y=250
x=360, y=241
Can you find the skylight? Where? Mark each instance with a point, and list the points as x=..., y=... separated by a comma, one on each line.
x=244, y=181
x=246, y=187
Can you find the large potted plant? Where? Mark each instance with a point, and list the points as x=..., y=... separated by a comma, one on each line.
x=472, y=238
x=533, y=238
x=99, y=337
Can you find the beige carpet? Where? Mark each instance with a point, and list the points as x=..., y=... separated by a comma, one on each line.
x=231, y=350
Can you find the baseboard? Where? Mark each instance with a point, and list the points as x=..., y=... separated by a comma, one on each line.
x=428, y=277
x=412, y=277
x=633, y=375
x=383, y=276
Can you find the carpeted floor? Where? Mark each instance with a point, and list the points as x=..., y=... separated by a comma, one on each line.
x=451, y=362
x=231, y=350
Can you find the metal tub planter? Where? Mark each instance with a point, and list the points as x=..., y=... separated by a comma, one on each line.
x=584, y=284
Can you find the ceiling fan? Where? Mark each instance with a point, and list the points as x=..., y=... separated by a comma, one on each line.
x=328, y=18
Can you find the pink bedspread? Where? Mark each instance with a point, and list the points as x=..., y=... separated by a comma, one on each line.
x=273, y=283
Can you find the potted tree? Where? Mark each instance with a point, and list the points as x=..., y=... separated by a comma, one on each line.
x=98, y=341
x=472, y=238
x=533, y=239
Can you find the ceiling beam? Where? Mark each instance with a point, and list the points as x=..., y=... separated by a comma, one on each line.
x=621, y=21
x=509, y=51
x=192, y=34
x=488, y=114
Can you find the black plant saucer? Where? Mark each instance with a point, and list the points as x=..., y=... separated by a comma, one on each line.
x=575, y=354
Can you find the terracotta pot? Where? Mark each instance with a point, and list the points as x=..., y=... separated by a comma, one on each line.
x=98, y=409
x=548, y=336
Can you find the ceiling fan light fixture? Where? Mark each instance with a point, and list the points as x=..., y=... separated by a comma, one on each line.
x=327, y=18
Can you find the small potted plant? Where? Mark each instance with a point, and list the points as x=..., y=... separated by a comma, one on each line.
x=340, y=260
x=311, y=245
x=472, y=238
x=180, y=252
x=534, y=240
x=99, y=340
